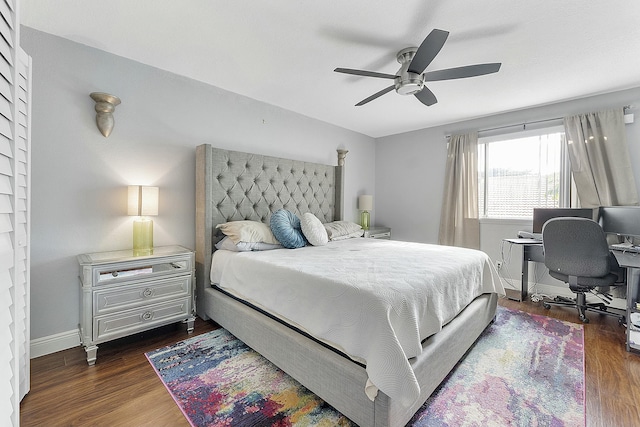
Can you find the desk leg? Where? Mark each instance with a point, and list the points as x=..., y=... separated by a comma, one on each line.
x=633, y=295
x=524, y=286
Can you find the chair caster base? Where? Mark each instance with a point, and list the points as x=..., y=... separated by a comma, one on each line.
x=580, y=304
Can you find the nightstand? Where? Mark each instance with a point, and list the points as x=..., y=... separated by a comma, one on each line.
x=378, y=232
x=124, y=294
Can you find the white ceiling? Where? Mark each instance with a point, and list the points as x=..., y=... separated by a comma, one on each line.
x=284, y=52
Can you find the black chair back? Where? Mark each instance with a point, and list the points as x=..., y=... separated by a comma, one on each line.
x=576, y=247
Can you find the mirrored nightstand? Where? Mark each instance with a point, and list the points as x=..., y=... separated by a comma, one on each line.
x=123, y=294
x=378, y=232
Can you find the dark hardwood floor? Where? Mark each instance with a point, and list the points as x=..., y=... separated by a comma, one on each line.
x=612, y=374
x=122, y=389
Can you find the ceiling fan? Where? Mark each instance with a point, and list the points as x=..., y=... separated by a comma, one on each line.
x=410, y=78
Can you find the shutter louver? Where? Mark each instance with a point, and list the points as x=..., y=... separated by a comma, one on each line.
x=22, y=223
x=15, y=177
x=7, y=254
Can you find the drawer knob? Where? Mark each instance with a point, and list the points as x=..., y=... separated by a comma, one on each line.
x=147, y=315
x=147, y=293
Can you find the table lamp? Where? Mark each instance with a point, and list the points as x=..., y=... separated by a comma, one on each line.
x=365, y=204
x=142, y=202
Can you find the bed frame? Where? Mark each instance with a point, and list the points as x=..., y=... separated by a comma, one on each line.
x=233, y=186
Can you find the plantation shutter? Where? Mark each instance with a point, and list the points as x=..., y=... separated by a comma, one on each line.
x=15, y=144
x=23, y=246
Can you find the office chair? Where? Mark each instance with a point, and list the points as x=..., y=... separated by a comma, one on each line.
x=576, y=251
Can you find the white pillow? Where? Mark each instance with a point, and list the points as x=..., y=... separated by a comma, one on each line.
x=313, y=230
x=257, y=246
x=228, y=245
x=248, y=231
x=348, y=236
x=343, y=229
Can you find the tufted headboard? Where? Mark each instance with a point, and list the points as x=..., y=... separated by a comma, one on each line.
x=233, y=186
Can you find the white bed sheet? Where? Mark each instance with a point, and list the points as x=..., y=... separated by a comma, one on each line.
x=375, y=300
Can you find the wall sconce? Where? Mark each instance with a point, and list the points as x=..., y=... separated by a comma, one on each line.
x=105, y=106
x=142, y=202
x=365, y=204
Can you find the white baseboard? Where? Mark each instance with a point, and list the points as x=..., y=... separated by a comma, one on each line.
x=53, y=343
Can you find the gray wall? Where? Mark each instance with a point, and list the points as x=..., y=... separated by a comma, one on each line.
x=79, y=177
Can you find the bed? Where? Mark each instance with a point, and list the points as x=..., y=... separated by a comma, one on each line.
x=233, y=186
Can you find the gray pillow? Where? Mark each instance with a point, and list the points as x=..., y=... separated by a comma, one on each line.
x=338, y=230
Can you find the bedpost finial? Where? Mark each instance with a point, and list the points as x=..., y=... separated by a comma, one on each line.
x=341, y=156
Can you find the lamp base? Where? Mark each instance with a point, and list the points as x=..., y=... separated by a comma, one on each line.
x=364, y=220
x=142, y=237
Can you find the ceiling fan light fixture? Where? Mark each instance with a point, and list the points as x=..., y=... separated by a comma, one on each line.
x=409, y=87
x=408, y=83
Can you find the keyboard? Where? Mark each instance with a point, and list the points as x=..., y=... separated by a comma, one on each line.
x=626, y=247
x=527, y=235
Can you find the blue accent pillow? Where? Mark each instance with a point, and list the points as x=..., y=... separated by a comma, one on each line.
x=285, y=226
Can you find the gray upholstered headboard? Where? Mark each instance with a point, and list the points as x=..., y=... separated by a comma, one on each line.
x=233, y=186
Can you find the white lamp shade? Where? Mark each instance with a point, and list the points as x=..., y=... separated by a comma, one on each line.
x=142, y=201
x=365, y=202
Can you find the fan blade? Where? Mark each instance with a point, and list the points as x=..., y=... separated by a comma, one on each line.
x=428, y=50
x=462, y=72
x=364, y=73
x=426, y=97
x=376, y=95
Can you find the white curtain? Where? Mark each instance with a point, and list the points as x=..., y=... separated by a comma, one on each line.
x=599, y=158
x=459, y=224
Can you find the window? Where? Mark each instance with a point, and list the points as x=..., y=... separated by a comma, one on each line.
x=521, y=171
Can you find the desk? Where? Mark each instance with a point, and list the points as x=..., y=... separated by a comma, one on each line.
x=532, y=252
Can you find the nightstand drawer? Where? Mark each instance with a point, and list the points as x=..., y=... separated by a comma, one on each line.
x=109, y=299
x=135, y=271
x=129, y=322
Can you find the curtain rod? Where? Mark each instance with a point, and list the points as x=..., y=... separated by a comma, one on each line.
x=517, y=125
x=524, y=125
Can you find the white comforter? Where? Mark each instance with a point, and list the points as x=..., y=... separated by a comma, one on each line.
x=375, y=300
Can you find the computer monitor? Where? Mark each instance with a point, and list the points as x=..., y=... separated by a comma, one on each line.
x=542, y=215
x=622, y=220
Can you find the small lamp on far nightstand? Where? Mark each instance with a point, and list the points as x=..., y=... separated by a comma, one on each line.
x=365, y=204
x=142, y=202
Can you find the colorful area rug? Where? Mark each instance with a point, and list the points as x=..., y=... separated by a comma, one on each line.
x=525, y=370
